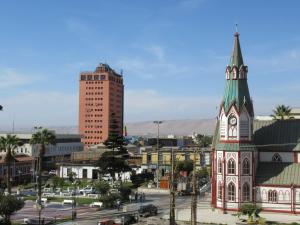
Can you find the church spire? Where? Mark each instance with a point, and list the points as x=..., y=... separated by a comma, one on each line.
x=236, y=88
x=236, y=57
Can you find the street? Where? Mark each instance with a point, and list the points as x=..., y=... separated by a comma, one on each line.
x=89, y=216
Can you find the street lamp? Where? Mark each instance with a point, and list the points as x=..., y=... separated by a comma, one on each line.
x=157, y=122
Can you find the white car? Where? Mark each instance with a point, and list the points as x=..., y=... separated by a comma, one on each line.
x=87, y=190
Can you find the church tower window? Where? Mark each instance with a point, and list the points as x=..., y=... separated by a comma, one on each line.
x=219, y=190
x=246, y=167
x=246, y=192
x=231, y=166
x=219, y=165
x=231, y=192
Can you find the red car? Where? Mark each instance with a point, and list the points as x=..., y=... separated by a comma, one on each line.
x=107, y=222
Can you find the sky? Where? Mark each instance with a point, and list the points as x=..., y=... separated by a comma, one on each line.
x=173, y=54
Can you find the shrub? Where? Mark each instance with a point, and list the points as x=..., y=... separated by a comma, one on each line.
x=109, y=200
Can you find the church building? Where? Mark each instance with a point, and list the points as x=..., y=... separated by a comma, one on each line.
x=252, y=160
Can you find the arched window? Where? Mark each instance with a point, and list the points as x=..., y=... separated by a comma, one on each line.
x=246, y=167
x=246, y=192
x=272, y=196
x=231, y=166
x=276, y=158
x=219, y=165
x=234, y=73
x=231, y=192
x=219, y=190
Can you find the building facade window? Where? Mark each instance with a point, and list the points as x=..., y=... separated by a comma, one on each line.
x=219, y=190
x=231, y=166
x=272, y=196
x=246, y=192
x=219, y=165
x=84, y=173
x=231, y=192
x=276, y=158
x=246, y=167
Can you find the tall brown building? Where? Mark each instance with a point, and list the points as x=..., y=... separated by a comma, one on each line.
x=101, y=99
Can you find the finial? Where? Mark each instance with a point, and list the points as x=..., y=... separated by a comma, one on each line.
x=236, y=30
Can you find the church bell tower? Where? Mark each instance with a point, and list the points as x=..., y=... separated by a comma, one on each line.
x=233, y=152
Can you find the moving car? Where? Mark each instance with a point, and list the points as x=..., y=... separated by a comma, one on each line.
x=107, y=222
x=148, y=210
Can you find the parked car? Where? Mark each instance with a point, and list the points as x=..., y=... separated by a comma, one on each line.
x=87, y=190
x=128, y=219
x=52, y=172
x=148, y=210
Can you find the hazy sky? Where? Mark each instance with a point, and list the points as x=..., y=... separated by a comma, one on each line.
x=173, y=54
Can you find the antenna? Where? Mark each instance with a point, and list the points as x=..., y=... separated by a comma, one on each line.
x=236, y=28
x=121, y=72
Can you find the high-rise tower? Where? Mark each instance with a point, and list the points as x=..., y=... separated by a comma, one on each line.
x=101, y=100
x=234, y=154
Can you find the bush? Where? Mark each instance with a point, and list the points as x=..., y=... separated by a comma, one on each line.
x=102, y=187
x=109, y=200
x=125, y=190
x=250, y=210
x=8, y=205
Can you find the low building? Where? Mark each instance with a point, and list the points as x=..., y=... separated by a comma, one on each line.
x=65, y=145
x=21, y=169
x=88, y=171
x=153, y=160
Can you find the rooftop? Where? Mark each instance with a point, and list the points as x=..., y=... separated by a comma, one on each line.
x=276, y=173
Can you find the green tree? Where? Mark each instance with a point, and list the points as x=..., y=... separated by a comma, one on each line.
x=41, y=139
x=282, y=112
x=250, y=210
x=102, y=187
x=58, y=182
x=114, y=161
x=9, y=144
x=8, y=205
x=125, y=190
x=203, y=141
x=186, y=165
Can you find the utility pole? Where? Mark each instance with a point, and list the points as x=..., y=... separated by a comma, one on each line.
x=194, y=193
x=172, y=192
x=157, y=122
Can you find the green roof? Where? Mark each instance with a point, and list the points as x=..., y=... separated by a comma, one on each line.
x=235, y=147
x=282, y=135
x=276, y=173
x=236, y=90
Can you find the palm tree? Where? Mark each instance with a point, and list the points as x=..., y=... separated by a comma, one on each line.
x=282, y=112
x=42, y=139
x=9, y=144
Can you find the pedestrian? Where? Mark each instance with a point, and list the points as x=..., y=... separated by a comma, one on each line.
x=118, y=204
x=130, y=198
x=136, y=196
x=143, y=196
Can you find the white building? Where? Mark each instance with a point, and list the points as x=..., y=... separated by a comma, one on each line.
x=61, y=151
x=88, y=171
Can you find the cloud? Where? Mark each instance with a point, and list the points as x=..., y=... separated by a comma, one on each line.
x=157, y=51
x=10, y=77
x=284, y=61
x=150, y=105
x=40, y=108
